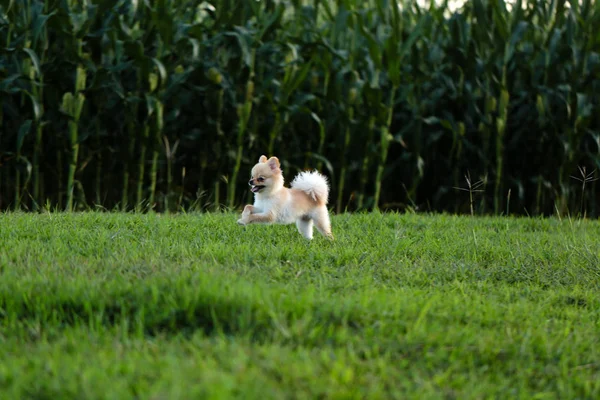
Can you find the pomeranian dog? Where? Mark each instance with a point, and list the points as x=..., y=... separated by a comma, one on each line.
x=304, y=203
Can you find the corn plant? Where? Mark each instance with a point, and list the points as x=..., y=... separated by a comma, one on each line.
x=164, y=105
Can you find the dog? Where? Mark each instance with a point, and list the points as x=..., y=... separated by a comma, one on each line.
x=305, y=203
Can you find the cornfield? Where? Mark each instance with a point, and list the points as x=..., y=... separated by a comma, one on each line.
x=165, y=105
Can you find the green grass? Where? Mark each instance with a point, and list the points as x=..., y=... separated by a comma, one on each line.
x=101, y=305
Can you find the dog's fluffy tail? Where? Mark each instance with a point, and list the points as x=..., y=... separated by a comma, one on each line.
x=313, y=184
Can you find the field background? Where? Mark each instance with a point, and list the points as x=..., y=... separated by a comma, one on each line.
x=166, y=104
x=151, y=306
x=488, y=109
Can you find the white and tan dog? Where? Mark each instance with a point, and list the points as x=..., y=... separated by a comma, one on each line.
x=304, y=203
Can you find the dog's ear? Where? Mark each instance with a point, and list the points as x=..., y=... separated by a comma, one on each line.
x=262, y=159
x=273, y=163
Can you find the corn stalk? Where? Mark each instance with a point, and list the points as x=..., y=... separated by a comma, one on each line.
x=72, y=105
x=244, y=110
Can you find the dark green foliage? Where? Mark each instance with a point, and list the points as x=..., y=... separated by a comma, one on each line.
x=167, y=104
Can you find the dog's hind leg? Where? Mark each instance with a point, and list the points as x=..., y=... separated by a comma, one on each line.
x=322, y=222
x=305, y=226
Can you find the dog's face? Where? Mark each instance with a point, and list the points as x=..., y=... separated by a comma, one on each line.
x=266, y=175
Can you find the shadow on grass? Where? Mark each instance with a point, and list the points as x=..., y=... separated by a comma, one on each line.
x=171, y=309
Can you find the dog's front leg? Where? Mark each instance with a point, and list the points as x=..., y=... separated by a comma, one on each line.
x=248, y=209
x=259, y=218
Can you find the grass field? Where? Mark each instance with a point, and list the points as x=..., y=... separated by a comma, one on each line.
x=102, y=305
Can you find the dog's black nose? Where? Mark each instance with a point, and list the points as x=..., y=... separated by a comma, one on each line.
x=250, y=182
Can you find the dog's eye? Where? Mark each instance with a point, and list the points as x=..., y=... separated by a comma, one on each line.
x=261, y=179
